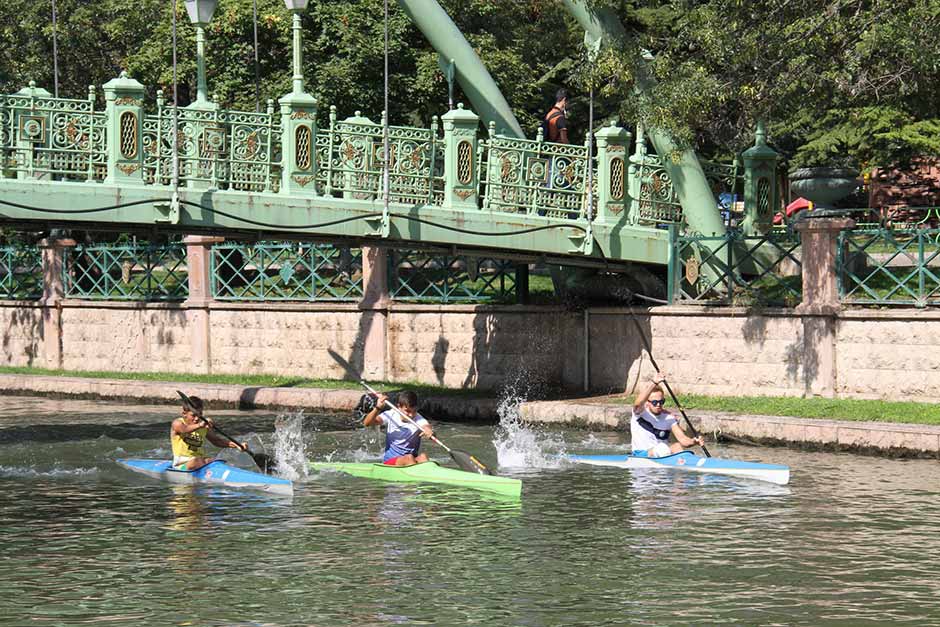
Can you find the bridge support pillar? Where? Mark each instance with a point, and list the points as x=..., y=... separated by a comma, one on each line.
x=375, y=305
x=125, y=114
x=53, y=293
x=461, y=179
x=298, y=144
x=198, y=263
x=612, y=167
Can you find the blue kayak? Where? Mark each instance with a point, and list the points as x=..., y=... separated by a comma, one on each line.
x=687, y=460
x=215, y=473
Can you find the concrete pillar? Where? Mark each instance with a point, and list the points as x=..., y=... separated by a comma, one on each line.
x=53, y=293
x=198, y=263
x=820, y=302
x=375, y=302
x=820, y=291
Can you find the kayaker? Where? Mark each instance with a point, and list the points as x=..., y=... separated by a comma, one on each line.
x=651, y=424
x=188, y=435
x=402, y=437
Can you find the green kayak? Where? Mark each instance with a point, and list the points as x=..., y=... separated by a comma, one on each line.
x=431, y=472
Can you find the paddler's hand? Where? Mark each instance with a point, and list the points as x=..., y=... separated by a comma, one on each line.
x=381, y=400
x=659, y=377
x=427, y=432
x=242, y=446
x=699, y=440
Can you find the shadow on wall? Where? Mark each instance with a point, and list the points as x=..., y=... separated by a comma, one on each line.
x=615, y=351
x=25, y=323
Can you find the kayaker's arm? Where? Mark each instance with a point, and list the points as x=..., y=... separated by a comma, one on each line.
x=372, y=418
x=642, y=397
x=180, y=427
x=221, y=442
x=685, y=440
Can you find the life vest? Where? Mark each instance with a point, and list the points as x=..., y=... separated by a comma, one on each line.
x=189, y=444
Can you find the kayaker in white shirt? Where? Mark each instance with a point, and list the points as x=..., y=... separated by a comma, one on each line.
x=402, y=437
x=651, y=424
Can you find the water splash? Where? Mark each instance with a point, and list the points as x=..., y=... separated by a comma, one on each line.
x=290, y=451
x=519, y=445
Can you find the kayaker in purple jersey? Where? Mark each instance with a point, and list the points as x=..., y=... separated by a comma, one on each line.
x=402, y=437
x=651, y=424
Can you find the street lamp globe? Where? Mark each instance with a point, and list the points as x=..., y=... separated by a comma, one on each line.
x=296, y=5
x=200, y=11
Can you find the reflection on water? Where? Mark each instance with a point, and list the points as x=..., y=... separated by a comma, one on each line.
x=849, y=542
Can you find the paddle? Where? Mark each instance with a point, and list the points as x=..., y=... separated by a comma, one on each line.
x=265, y=462
x=675, y=400
x=463, y=459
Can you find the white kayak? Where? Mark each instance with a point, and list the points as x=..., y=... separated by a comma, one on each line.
x=687, y=460
x=216, y=473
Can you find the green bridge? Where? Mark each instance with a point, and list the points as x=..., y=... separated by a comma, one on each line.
x=301, y=171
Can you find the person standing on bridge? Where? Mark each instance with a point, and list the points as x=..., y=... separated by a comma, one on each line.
x=402, y=433
x=651, y=424
x=555, y=124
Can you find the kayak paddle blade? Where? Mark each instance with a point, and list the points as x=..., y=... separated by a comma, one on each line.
x=265, y=462
x=468, y=462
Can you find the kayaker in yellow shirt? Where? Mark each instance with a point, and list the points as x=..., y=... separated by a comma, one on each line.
x=188, y=435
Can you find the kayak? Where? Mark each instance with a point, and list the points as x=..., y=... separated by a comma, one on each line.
x=687, y=460
x=427, y=472
x=215, y=473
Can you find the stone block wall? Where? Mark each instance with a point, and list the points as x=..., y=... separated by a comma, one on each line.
x=707, y=350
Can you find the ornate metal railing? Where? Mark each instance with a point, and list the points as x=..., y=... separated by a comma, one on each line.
x=419, y=276
x=736, y=269
x=52, y=138
x=217, y=148
x=142, y=272
x=535, y=177
x=282, y=271
x=20, y=272
x=351, y=161
x=881, y=266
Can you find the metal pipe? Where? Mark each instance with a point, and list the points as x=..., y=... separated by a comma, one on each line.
x=444, y=36
x=55, y=50
x=587, y=350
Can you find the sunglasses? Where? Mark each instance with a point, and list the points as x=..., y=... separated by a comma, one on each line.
x=658, y=403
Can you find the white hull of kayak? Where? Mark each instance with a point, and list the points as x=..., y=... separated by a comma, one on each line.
x=215, y=473
x=687, y=460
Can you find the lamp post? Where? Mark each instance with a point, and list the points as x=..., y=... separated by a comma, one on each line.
x=298, y=121
x=296, y=7
x=200, y=14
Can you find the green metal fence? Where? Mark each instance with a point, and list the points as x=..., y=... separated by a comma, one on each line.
x=736, y=269
x=882, y=266
x=140, y=272
x=420, y=276
x=20, y=272
x=283, y=271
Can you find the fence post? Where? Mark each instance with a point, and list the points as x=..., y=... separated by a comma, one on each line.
x=818, y=237
x=53, y=293
x=298, y=144
x=761, y=196
x=612, y=192
x=124, y=112
x=461, y=179
x=375, y=310
x=198, y=265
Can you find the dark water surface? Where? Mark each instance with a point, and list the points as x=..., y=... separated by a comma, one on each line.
x=851, y=541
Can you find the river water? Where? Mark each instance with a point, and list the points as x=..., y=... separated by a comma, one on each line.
x=851, y=541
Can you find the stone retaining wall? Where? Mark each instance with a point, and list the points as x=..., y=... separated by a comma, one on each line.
x=851, y=354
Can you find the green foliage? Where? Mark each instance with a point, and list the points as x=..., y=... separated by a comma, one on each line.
x=840, y=82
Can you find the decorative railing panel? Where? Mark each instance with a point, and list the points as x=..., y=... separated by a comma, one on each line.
x=881, y=266
x=222, y=149
x=20, y=272
x=735, y=269
x=535, y=177
x=657, y=201
x=421, y=276
x=141, y=272
x=53, y=138
x=351, y=161
x=282, y=271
